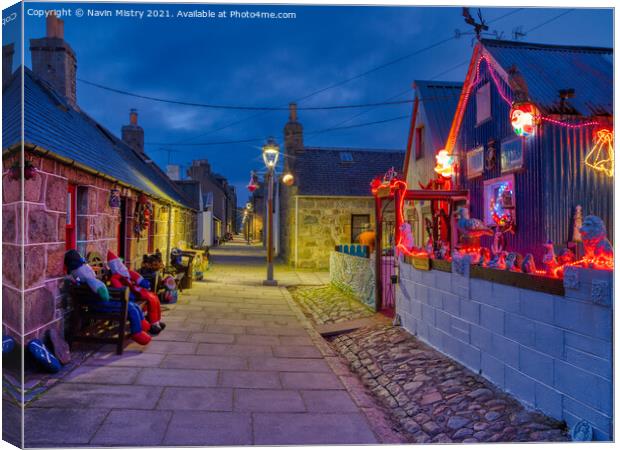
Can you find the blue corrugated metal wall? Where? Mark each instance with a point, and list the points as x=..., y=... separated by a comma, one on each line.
x=553, y=181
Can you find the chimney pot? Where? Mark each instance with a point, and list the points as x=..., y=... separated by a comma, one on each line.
x=292, y=112
x=55, y=27
x=133, y=116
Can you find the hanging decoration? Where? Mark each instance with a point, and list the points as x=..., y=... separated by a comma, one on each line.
x=288, y=179
x=115, y=198
x=601, y=157
x=142, y=215
x=445, y=164
x=15, y=170
x=523, y=118
x=253, y=184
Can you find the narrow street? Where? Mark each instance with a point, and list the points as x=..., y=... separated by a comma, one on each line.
x=237, y=364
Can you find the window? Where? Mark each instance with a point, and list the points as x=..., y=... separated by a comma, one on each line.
x=483, y=104
x=419, y=142
x=346, y=157
x=499, y=200
x=359, y=223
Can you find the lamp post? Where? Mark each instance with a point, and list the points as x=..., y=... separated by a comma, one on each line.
x=271, y=152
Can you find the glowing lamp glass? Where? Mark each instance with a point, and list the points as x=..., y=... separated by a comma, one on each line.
x=445, y=164
x=271, y=152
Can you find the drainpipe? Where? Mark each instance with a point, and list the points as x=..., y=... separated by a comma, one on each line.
x=169, y=232
x=296, y=229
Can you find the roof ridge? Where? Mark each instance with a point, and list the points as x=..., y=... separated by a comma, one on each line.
x=541, y=46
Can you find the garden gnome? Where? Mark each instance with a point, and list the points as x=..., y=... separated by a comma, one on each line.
x=139, y=287
x=83, y=273
x=549, y=260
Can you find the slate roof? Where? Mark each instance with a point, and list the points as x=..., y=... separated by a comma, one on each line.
x=191, y=190
x=52, y=124
x=321, y=171
x=549, y=68
x=439, y=100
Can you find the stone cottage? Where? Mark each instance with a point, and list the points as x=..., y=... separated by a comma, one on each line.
x=330, y=202
x=80, y=189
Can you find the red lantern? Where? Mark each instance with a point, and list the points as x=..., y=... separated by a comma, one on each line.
x=253, y=185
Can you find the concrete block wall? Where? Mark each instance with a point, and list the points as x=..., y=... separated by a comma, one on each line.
x=553, y=353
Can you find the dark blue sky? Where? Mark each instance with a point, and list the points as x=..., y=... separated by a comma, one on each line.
x=272, y=62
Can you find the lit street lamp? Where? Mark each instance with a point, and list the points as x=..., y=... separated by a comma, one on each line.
x=271, y=152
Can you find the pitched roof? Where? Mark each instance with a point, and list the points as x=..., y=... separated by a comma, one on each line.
x=550, y=68
x=52, y=124
x=439, y=100
x=327, y=171
x=191, y=190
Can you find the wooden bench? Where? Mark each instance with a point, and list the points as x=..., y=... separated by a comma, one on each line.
x=88, y=323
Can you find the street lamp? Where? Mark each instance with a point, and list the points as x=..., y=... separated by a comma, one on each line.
x=271, y=152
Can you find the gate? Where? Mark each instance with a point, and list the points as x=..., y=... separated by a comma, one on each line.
x=388, y=271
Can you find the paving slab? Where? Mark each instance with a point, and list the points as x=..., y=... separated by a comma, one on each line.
x=209, y=428
x=234, y=350
x=214, y=338
x=328, y=401
x=61, y=426
x=127, y=359
x=196, y=399
x=77, y=395
x=296, y=351
x=132, y=428
x=308, y=429
x=268, y=400
x=310, y=380
x=249, y=379
x=288, y=364
x=102, y=374
x=177, y=377
x=203, y=362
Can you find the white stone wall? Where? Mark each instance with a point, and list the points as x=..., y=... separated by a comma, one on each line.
x=355, y=275
x=554, y=353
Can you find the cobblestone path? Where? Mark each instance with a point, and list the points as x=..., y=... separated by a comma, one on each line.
x=434, y=398
x=328, y=304
x=429, y=397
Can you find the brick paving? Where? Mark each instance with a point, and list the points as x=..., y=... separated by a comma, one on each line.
x=430, y=397
x=238, y=364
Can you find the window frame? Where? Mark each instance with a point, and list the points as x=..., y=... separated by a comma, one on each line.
x=479, y=121
x=353, y=217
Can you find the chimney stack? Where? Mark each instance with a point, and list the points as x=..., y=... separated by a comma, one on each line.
x=54, y=60
x=133, y=134
x=7, y=63
x=293, y=134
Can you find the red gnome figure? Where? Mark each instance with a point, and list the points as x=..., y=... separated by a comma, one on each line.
x=139, y=287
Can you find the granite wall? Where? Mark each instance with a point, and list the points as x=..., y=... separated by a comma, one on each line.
x=552, y=352
x=45, y=209
x=315, y=225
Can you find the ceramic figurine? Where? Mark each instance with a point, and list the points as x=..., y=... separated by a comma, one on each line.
x=549, y=260
x=594, y=237
x=406, y=239
x=511, y=261
x=485, y=257
x=566, y=256
x=577, y=224
x=498, y=261
x=471, y=228
x=528, y=265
